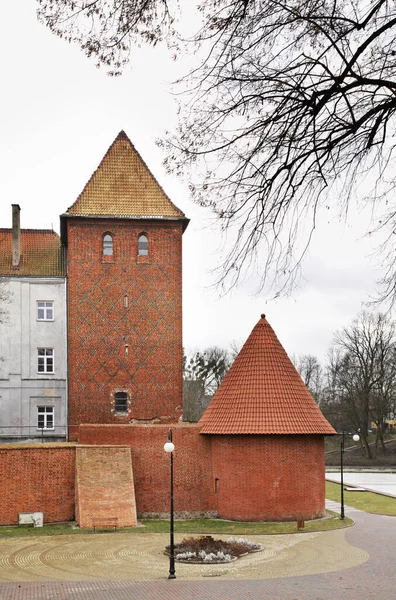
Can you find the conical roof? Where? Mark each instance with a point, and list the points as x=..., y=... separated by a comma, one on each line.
x=123, y=187
x=263, y=393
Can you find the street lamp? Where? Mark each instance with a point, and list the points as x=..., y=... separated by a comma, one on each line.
x=355, y=438
x=169, y=447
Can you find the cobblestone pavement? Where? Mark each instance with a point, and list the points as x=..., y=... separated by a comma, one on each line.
x=351, y=564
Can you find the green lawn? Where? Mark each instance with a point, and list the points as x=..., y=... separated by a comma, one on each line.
x=368, y=501
x=196, y=526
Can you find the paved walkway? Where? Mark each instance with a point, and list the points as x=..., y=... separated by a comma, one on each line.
x=351, y=564
x=385, y=483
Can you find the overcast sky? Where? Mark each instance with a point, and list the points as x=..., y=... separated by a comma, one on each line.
x=58, y=116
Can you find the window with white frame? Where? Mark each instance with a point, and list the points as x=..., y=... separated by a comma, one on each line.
x=45, y=417
x=45, y=310
x=45, y=362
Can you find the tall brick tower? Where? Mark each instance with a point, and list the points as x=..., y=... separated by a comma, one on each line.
x=124, y=254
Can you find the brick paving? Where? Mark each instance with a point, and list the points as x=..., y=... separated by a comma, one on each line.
x=374, y=534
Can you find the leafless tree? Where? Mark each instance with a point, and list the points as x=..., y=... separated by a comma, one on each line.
x=208, y=367
x=311, y=373
x=291, y=107
x=202, y=374
x=364, y=373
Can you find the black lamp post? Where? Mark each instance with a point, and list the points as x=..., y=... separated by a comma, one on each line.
x=169, y=447
x=355, y=438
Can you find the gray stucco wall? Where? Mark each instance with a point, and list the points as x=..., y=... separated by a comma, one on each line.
x=22, y=388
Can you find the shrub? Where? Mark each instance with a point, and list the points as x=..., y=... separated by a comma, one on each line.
x=207, y=549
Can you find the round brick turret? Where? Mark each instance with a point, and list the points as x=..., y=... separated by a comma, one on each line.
x=266, y=437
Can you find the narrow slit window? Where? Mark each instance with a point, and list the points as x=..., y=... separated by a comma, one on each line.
x=143, y=245
x=107, y=245
x=121, y=402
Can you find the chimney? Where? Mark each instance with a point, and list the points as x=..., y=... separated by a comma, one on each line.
x=16, y=236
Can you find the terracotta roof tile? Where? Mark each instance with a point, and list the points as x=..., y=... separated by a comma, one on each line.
x=263, y=393
x=41, y=254
x=123, y=186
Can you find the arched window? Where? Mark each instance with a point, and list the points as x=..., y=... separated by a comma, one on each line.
x=120, y=402
x=108, y=245
x=143, y=245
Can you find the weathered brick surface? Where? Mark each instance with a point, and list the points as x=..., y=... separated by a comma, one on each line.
x=118, y=302
x=193, y=479
x=269, y=477
x=104, y=486
x=37, y=479
x=243, y=477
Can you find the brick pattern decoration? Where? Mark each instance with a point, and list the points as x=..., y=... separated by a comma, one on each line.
x=104, y=486
x=37, y=478
x=124, y=322
x=194, y=491
x=269, y=477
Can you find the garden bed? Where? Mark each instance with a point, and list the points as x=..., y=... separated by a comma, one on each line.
x=207, y=550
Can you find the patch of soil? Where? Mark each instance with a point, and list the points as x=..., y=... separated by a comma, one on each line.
x=354, y=457
x=207, y=544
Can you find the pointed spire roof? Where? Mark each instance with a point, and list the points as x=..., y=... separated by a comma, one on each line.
x=263, y=393
x=123, y=187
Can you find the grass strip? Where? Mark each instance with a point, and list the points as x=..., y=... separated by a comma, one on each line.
x=195, y=526
x=367, y=501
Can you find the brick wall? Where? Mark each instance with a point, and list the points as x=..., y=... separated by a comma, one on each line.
x=37, y=478
x=104, y=486
x=270, y=477
x=119, y=301
x=193, y=481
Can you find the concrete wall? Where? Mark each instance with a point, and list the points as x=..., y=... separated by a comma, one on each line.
x=22, y=388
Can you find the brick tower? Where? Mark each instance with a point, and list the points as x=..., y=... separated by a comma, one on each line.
x=267, y=437
x=124, y=254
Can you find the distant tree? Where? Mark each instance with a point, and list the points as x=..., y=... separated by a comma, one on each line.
x=292, y=106
x=364, y=373
x=209, y=367
x=331, y=406
x=203, y=372
x=311, y=373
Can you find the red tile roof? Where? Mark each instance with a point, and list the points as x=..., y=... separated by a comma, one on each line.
x=41, y=254
x=262, y=393
x=123, y=186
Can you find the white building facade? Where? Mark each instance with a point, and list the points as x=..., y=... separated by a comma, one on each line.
x=33, y=354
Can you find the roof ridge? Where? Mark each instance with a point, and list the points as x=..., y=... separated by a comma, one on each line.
x=29, y=230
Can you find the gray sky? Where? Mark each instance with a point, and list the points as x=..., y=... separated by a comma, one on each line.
x=59, y=114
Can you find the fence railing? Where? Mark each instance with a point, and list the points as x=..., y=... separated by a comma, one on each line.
x=19, y=432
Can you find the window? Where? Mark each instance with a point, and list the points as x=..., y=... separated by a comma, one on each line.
x=108, y=245
x=45, y=310
x=45, y=417
x=120, y=402
x=45, y=360
x=143, y=245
